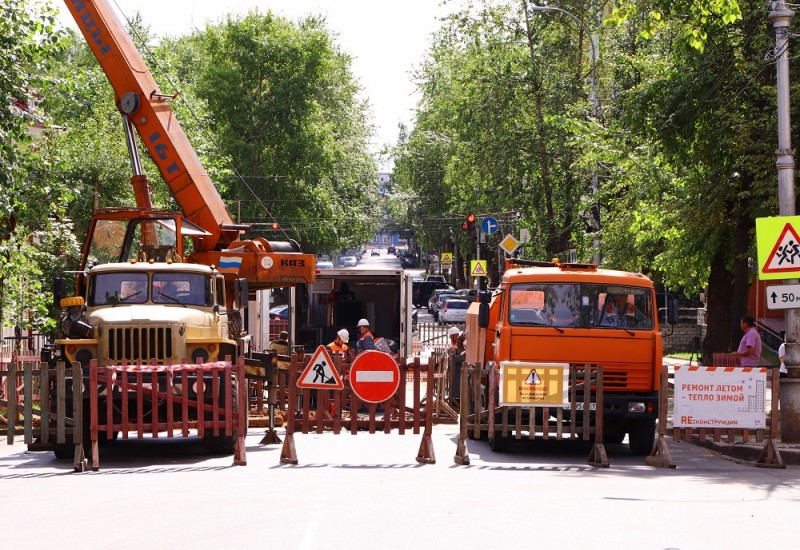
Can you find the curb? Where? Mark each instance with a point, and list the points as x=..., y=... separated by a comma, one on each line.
x=750, y=453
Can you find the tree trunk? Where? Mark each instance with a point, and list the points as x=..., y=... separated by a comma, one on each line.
x=727, y=297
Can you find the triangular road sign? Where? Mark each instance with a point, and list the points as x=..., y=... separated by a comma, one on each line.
x=478, y=268
x=533, y=379
x=320, y=372
x=785, y=255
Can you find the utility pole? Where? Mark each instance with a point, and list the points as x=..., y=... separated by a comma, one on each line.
x=781, y=18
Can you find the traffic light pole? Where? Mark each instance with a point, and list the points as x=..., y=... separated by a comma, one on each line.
x=781, y=18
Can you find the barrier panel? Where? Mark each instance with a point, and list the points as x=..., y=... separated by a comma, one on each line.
x=770, y=457
x=210, y=398
x=58, y=406
x=407, y=410
x=481, y=416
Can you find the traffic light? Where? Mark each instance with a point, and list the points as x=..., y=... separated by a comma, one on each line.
x=275, y=226
x=469, y=224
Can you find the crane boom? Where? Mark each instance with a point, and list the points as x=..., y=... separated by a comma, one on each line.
x=154, y=121
x=205, y=219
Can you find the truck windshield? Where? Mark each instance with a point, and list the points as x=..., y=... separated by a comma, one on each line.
x=118, y=288
x=182, y=288
x=580, y=306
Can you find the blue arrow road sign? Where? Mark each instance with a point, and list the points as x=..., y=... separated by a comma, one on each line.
x=489, y=225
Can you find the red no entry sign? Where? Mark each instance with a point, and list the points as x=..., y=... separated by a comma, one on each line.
x=374, y=376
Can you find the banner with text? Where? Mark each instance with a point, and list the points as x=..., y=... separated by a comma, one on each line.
x=711, y=397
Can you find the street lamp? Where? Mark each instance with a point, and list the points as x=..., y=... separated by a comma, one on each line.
x=582, y=25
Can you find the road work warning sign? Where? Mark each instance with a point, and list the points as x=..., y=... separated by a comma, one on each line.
x=711, y=397
x=533, y=384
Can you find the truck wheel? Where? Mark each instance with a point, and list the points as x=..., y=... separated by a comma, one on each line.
x=642, y=434
x=500, y=444
x=64, y=451
x=220, y=445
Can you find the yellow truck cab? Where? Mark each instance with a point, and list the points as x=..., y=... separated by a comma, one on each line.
x=580, y=314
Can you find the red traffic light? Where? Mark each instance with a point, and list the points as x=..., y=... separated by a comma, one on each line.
x=464, y=226
x=275, y=226
x=470, y=218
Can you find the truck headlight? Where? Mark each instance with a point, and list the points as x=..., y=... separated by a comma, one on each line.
x=636, y=407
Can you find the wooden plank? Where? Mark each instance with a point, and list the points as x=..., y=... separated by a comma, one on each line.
x=110, y=401
x=518, y=422
x=401, y=398
x=229, y=381
x=417, y=393
x=532, y=422
x=77, y=408
x=27, y=403
x=587, y=402
x=11, y=388
x=61, y=406
x=170, y=401
x=215, y=408
x=184, y=402
x=573, y=399
x=560, y=423
x=45, y=403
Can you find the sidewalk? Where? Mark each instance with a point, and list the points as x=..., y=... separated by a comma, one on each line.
x=790, y=452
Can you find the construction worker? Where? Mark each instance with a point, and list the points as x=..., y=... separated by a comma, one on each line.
x=281, y=347
x=339, y=345
x=366, y=341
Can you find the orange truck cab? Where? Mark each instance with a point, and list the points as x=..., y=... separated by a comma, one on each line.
x=580, y=314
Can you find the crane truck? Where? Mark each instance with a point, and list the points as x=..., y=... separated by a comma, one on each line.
x=157, y=286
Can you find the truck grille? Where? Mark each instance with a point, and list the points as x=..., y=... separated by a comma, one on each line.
x=135, y=343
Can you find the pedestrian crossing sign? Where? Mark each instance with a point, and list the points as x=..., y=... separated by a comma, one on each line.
x=778, y=243
x=320, y=373
x=477, y=268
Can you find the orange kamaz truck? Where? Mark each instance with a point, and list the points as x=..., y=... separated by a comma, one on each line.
x=548, y=312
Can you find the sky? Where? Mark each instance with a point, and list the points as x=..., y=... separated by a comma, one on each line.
x=386, y=39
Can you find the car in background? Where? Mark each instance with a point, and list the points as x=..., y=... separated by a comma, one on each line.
x=348, y=261
x=435, y=294
x=325, y=265
x=414, y=320
x=391, y=250
x=440, y=300
x=375, y=252
x=436, y=278
x=408, y=262
x=468, y=294
x=453, y=311
x=279, y=313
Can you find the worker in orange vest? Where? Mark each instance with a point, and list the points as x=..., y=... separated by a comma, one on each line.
x=339, y=345
x=366, y=341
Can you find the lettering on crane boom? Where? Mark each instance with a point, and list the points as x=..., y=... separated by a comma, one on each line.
x=89, y=27
x=162, y=150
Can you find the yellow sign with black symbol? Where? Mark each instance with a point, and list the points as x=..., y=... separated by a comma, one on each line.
x=533, y=384
x=477, y=268
x=447, y=258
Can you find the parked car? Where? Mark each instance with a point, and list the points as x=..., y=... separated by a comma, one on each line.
x=421, y=291
x=324, y=265
x=453, y=311
x=348, y=261
x=468, y=294
x=391, y=250
x=279, y=312
x=436, y=278
x=437, y=305
x=435, y=294
x=375, y=252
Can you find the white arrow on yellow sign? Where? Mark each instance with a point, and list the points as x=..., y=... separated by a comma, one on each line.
x=477, y=268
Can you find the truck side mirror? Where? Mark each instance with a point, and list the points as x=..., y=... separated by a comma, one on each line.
x=485, y=296
x=483, y=314
x=240, y=293
x=673, y=311
x=59, y=291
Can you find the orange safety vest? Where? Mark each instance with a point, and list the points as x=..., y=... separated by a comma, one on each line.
x=333, y=346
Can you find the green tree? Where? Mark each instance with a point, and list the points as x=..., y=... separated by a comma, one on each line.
x=286, y=110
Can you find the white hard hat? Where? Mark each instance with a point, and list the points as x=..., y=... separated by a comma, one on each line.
x=453, y=330
x=344, y=335
x=363, y=323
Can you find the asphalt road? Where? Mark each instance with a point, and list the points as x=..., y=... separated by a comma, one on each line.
x=368, y=491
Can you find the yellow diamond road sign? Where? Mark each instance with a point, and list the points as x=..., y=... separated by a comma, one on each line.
x=778, y=242
x=477, y=268
x=509, y=244
x=447, y=258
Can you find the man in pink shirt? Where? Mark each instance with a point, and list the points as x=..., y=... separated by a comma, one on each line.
x=749, y=352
